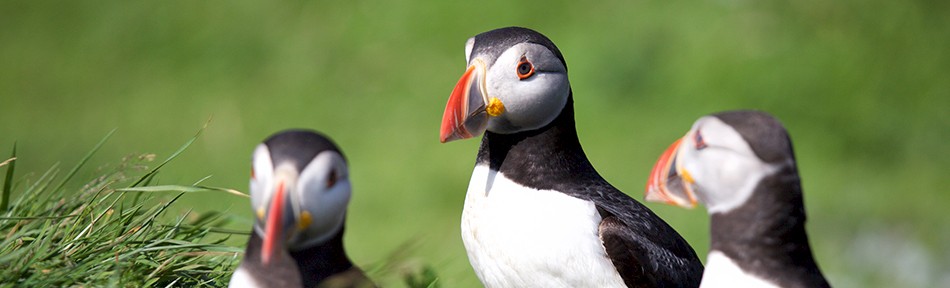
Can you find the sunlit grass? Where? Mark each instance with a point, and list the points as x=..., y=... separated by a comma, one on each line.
x=99, y=235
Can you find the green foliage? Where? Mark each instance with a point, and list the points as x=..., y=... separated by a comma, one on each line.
x=96, y=235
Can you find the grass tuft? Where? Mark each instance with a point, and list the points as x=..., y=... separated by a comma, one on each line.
x=108, y=233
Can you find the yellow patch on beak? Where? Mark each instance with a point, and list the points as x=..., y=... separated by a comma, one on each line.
x=260, y=213
x=304, y=221
x=495, y=107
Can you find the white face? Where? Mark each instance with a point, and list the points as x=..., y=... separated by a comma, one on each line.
x=723, y=167
x=316, y=198
x=532, y=97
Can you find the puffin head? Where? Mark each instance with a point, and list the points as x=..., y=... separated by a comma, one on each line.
x=720, y=161
x=516, y=81
x=299, y=191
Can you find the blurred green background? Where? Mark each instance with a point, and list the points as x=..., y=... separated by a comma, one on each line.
x=863, y=87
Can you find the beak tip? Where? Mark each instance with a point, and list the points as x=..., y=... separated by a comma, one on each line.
x=654, y=194
x=649, y=193
x=446, y=137
x=452, y=134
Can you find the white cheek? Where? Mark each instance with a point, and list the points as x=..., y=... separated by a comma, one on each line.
x=530, y=103
x=729, y=179
x=327, y=209
x=539, y=100
x=261, y=182
x=326, y=205
x=730, y=174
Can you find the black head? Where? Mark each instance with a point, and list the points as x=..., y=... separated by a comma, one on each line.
x=516, y=81
x=765, y=135
x=493, y=43
x=298, y=146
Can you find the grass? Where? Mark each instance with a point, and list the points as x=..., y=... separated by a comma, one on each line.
x=103, y=234
x=115, y=231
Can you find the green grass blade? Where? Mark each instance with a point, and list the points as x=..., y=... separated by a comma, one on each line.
x=173, y=156
x=84, y=160
x=181, y=188
x=164, y=188
x=8, y=180
x=37, y=217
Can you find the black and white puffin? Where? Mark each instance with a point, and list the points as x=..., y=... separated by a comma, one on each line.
x=537, y=213
x=299, y=190
x=741, y=166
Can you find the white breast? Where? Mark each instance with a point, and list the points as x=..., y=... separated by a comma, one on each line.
x=723, y=272
x=523, y=237
x=242, y=279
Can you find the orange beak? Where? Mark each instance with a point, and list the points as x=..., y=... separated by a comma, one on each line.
x=273, y=233
x=668, y=183
x=465, y=114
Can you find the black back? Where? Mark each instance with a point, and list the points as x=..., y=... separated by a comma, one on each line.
x=642, y=246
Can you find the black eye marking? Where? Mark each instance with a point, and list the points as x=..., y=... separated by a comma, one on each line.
x=331, y=180
x=525, y=69
x=698, y=139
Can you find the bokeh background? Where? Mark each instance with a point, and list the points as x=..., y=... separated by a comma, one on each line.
x=863, y=87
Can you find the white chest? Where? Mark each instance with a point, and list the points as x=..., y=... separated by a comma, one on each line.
x=723, y=272
x=523, y=237
x=241, y=279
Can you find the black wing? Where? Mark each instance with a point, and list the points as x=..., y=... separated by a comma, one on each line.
x=624, y=255
x=643, y=264
x=646, y=251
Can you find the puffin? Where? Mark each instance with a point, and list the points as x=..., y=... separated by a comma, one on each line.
x=741, y=166
x=300, y=189
x=536, y=212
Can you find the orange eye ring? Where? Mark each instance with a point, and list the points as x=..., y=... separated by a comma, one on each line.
x=252, y=173
x=524, y=69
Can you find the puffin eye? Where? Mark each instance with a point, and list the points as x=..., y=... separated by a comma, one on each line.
x=698, y=139
x=331, y=179
x=525, y=68
x=252, y=173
